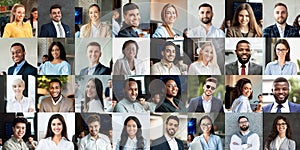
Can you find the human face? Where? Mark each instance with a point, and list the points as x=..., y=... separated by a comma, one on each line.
x=243, y=53
x=170, y=15
x=205, y=15
x=132, y=17
x=142, y=101
x=298, y=21
x=131, y=128
x=56, y=126
x=172, y=127
x=131, y=90
x=93, y=54
x=35, y=14
x=169, y=53
x=281, y=126
x=19, y=14
x=243, y=17
x=18, y=88
x=55, y=90
x=244, y=124
x=207, y=54
x=90, y=90
x=172, y=88
x=281, y=51
x=280, y=14
x=94, y=128
x=281, y=92
x=247, y=89
x=55, y=14
x=94, y=14
x=211, y=90
x=130, y=51
x=55, y=52
x=17, y=54
x=205, y=125
x=156, y=98
x=19, y=130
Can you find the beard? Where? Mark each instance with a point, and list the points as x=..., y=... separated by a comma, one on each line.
x=244, y=128
x=206, y=20
x=281, y=101
x=281, y=21
x=243, y=61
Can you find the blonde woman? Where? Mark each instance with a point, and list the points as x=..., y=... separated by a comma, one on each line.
x=17, y=28
x=95, y=28
x=206, y=63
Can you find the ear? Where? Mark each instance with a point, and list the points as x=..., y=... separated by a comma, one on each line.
x=162, y=53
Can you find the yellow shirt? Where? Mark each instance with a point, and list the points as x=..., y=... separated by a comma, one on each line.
x=13, y=30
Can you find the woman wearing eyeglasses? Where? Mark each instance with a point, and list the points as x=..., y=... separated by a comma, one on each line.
x=280, y=137
x=243, y=93
x=282, y=64
x=208, y=139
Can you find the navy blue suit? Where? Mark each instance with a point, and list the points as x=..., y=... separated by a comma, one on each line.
x=272, y=31
x=99, y=70
x=26, y=69
x=127, y=31
x=293, y=107
x=162, y=144
x=48, y=30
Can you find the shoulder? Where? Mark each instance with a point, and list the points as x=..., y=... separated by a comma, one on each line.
x=231, y=64
x=65, y=25
x=216, y=99
x=47, y=24
x=269, y=28
x=104, y=137
x=67, y=99
x=84, y=27
x=195, y=99
x=255, y=65
x=65, y=63
x=47, y=99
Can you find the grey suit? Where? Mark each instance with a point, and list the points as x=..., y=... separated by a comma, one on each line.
x=287, y=144
x=196, y=105
x=99, y=70
x=253, y=69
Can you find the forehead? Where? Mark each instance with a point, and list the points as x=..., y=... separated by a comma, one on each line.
x=131, y=84
x=20, y=9
x=130, y=45
x=56, y=120
x=20, y=124
x=281, y=84
x=16, y=48
x=210, y=83
x=171, y=82
x=243, y=119
x=94, y=123
x=133, y=11
x=279, y=8
x=170, y=47
x=173, y=121
x=204, y=9
x=93, y=47
x=205, y=120
x=55, y=10
x=171, y=8
x=52, y=84
x=280, y=121
x=243, y=45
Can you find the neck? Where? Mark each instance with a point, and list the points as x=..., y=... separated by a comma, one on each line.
x=96, y=22
x=130, y=60
x=131, y=137
x=244, y=132
x=56, y=98
x=19, y=97
x=281, y=60
x=206, y=26
x=169, y=64
x=281, y=135
x=281, y=25
x=95, y=136
x=93, y=64
x=205, y=62
x=206, y=97
x=244, y=29
x=206, y=134
x=170, y=98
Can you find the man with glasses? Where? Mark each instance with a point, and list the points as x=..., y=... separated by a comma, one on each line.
x=168, y=141
x=280, y=91
x=207, y=102
x=243, y=66
x=244, y=139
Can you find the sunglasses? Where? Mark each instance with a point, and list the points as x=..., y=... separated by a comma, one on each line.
x=211, y=87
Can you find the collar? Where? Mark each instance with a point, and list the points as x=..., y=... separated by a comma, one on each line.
x=133, y=140
x=277, y=25
x=55, y=23
x=286, y=62
x=16, y=140
x=284, y=105
x=246, y=133
x=90, y=137
x=240, y=65
x=20, y=64
x=55, y=103
x=94, y=66
x=168, y=137
x=14, y=99
x=205, y=100
x=165, y=64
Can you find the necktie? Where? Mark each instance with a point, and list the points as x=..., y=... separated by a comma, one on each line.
x=60, y=31
x=279, y=108
x=243, y=72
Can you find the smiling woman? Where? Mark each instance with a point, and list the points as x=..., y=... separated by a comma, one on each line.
x=93, y=100
x=243, y=94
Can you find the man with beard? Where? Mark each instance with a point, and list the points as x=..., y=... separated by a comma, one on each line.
x=19, y=129
x=132, y=18
x=56, y=102
x=166, y=65
x=280, y=28
x=168, y=141
x=171, y=103
x=280, y=91
x=244, y=139
x=130, y=104
x=207, y=102
x=206, y=29
x=243, y=66
x=94, y=140
x=21, y=66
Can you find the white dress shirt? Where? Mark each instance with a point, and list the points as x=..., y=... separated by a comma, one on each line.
x=48, y=144
x=90, y=143
x=285, y=107
x=20, y=106
x=57, y=29
x=172, y=142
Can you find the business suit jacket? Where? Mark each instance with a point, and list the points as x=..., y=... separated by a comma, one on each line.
x=236, y=32
x=65, y=105
x=48, y=30
x=253, y=69
x=287, y=144
x=293, y=107
x=272, y=31
x=197, y=102
x=99, y=70
x=162, y=144
x=127, y=31
x=26, y=69
x=122, y=67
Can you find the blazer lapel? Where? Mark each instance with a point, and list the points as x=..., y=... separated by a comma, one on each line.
x=22, y=69
x=236, y=68
x=53, y=29
x=276, y=32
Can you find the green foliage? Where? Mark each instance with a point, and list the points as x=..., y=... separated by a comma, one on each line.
x=294, y=89
x=9, y=2
x=43, y=81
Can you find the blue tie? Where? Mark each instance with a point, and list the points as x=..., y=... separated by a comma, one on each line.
x=279, y=108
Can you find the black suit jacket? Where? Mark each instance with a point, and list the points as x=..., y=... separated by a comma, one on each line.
x=253, y=69
x=162, y=144
x=127, y=31
x=272, y=31
x=26, y=69
x=196, y=105
x=48, y=30
x=100, y=70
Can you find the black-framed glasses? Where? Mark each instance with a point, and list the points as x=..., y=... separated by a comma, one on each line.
x=281, y=50
x=281, y=124
x=211, y=87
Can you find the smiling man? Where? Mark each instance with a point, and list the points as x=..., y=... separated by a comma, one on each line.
x=207, y=102
x=168, y=141
x=243, y=66
x=166, y=65
x=130, y=104
x=19, y=129
x=56, y=102
x=94, y=54
x=94, y=140
x=280, y=91
x=21, y=66
x=280, y=28
x=132, y=18
x=55, y=28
